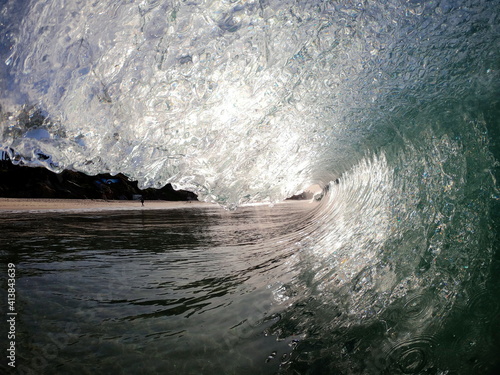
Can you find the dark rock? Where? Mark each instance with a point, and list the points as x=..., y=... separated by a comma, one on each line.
x=26, y=182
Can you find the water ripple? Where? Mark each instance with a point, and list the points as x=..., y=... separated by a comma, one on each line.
x=411, y=356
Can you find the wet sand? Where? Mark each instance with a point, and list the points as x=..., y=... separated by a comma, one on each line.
x=44, y=205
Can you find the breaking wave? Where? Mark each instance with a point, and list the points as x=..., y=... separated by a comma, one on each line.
x=391, y=107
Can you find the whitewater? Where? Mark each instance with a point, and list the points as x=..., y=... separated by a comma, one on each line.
x=391, y=107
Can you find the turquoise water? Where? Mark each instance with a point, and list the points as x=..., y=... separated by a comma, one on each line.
x=390, y=106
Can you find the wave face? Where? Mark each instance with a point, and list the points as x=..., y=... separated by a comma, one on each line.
x=251, y=101
x=237, y=101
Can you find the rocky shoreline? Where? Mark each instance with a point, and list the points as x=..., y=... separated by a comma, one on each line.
x=27, y=182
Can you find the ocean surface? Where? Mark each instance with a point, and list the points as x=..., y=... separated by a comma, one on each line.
x=391, y=107
x=259, y=290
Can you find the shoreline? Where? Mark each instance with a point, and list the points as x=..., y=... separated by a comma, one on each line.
x=47, y=205
x=30, y=205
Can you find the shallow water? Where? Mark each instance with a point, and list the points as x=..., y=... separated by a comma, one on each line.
x=208, y=291
x=177, y=291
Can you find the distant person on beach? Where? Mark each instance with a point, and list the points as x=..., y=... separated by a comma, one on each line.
x=142, y=201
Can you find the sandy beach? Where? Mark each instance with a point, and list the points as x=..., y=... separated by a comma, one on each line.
x=46, y=205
